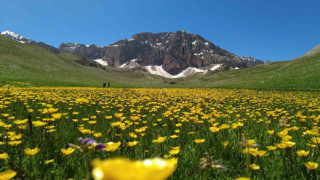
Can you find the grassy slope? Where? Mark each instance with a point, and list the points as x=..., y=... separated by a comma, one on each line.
x=313, y=51
x=301, y=73
x=20, y=63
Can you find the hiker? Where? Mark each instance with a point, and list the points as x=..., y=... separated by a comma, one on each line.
x=104, y=85
x=108, y=84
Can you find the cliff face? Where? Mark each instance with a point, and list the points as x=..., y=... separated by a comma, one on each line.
x=92, y=51
x=174, y=51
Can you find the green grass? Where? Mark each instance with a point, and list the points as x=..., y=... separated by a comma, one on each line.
x=27, y=65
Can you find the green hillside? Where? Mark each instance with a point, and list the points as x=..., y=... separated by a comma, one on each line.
x=300, y=73
x=313, y=51
x=28, y=65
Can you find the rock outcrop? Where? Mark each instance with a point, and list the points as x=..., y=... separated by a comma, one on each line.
x=92, y=52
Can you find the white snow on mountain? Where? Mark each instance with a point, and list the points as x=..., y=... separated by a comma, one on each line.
x=11, y=34
x=130, y=64
x=100, y=61
x=215, y=67
x=158, y=70
x=16, y=37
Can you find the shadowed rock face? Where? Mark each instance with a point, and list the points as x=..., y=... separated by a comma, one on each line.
x=92, y=51
x=174, y=51
x=46, y=46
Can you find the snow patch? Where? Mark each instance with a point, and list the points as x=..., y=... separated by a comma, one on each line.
x=100, y=61
x=158, y=70
x=122, y=65
x=194, y=42
x=198, y=54
x=130, y=64
x=12, y=34
x=16, y=37
x=215, y=67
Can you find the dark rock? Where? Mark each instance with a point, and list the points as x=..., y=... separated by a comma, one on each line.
x=92, y=52
x=46, y=46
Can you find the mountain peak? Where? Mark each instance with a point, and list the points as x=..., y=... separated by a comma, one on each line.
x=10, y=33
x=17, y=37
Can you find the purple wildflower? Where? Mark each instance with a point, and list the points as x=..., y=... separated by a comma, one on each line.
x=100, y=146
x=87, y=141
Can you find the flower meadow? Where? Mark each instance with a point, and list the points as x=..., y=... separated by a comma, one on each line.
x=95, y=133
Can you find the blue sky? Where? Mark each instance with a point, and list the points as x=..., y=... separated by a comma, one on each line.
x=265, y=29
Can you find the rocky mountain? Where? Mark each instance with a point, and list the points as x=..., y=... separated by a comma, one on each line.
x=169, y=54
x=250, y=61
x=90, y=51
x=17, y=37
x=174, y=51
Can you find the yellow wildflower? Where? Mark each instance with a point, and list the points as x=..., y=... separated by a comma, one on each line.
x=6, y=175
x=31, y=152
x=254, y=166
x=311, y=165
x=68, y=151
x=199, y=141
x=4, y=156
x=112, y=146
x=155, y=169
x=214, y=129
x=302, y=153
x=132, y=143
x=49, y=161
x=159, y=140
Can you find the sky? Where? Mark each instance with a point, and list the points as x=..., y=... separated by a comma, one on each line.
x=272, y=30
